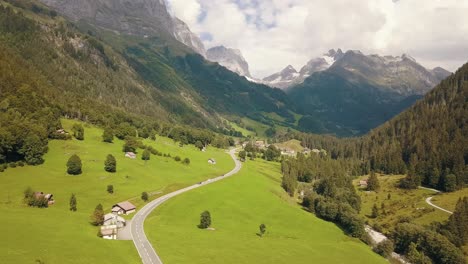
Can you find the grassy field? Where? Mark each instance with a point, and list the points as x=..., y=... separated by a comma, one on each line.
x=56, y=235
x=402, y=203
x=449, y=200
x=238, y=206
x=292, y=144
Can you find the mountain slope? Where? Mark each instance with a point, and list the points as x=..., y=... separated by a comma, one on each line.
x=431, y=137
x=359, y=92
x=144, y=18
x=229, y=58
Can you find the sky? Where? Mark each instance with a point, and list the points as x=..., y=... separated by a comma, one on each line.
x=275, y=33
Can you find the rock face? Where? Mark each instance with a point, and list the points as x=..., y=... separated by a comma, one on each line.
x=288, y=78
x=232, y=59
x=136, y=17
x=359, y=92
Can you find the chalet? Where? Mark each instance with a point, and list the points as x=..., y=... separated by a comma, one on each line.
x=123, y=208
x=260, y=144
x=212, y=161
x=113, y=219
x=48, y=196
x=61, y=132
x=130, y=155
x=109, y=232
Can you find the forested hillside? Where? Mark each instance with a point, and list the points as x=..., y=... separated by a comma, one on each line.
x=431, y=138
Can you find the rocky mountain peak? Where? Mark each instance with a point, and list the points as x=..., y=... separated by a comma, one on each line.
x=232, y=59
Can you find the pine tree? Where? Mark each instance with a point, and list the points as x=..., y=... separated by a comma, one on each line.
x=78, y=131
x=373, y=182
x=73, y=203
x=74, y=165
x=110, y=165
x=146, y=155
x=110, y=189
x=375, y=211
x=144, y=196
x=108, y=135
x=97, y=218
x=205, y=220
x=458, y=222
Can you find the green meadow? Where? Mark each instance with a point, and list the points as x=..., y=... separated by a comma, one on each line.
x=238, y=205
x=409, y=204
x=56, y=235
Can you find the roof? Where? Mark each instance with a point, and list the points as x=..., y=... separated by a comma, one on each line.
x=111, y=216
x=116, y=209
x=107, y=232
x=127, y=206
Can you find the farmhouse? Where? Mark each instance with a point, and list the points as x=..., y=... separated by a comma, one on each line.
x=48, y=196
x=109, y=232
x=212, y=161
x=130, y=155
x=123, y=208
x=113, y=219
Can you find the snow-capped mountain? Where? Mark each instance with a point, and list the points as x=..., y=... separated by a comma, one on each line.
x=136, y=17
x=283, y=78
x=232, y=59
x=290, y=77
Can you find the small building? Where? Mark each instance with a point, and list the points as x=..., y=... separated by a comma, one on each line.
x=316, y=151
x=123, y=208
x=212, y=161
x=109, y=232
x=61, y=131
x=130, y=155
x=306, y=151
x=363, y=183
x=111, y=219
x=48, y=196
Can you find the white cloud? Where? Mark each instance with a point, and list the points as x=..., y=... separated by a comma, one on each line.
x=274, y=33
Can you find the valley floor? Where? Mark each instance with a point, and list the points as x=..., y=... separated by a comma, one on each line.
x=56, y=235
x=238, y=206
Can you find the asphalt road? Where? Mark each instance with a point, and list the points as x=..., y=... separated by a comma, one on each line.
x=145, y=249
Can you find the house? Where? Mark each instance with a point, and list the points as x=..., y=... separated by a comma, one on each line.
x=260, y=144
x=111, y=219
x=212, y=161
x=109, y=232
x=130, y=155
x=48, y=196
x=61, y=131
x=306, y=151
x=363, y=183
x=123, y=208
x=316, y=151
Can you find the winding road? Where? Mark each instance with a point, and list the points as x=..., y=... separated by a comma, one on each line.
x=145, y=249
x=428, y=200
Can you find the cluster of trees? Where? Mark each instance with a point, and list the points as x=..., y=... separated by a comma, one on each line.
x=422, y=245
x=328, y=191
x=271, y=153
x=35, y=200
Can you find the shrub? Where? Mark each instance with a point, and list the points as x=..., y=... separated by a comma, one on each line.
x=74, y=165
x=21, y=163
x=186, y=161
x=177, y=158
x=384, y=248
x=12, y=164
x=144, y=196
x=110, y=165
x=205, y=220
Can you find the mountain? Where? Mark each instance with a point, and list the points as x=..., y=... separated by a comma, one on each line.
x=359, y=92
x=430, y=137
x=91, y=67
x=142, y=18
x=289, y=77
x=232, y=59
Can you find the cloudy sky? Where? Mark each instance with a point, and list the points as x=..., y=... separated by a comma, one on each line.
x=274, y=33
